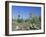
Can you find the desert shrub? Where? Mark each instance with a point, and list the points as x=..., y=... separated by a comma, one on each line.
x=19, y=20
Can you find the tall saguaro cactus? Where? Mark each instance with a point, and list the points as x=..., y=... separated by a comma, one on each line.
x=19, y=15
x=30, y=15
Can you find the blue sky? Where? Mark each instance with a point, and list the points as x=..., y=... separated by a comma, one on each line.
x=24, y=11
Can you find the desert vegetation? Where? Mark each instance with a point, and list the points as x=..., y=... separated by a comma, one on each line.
x=33, y=22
